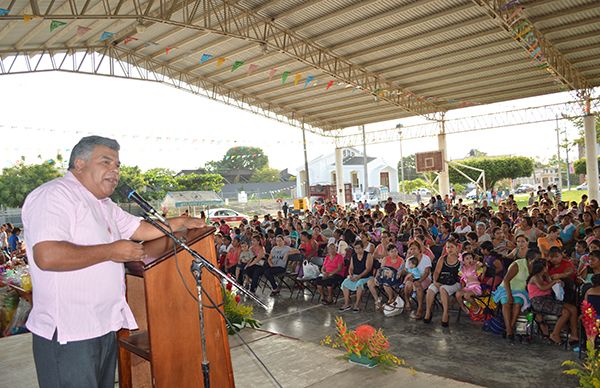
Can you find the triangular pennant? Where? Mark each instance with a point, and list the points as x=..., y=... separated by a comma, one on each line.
x=284, y=76
x=106, y=35
x=309, y=79
x=4, y=12
x=236, y=65
x=129, y=39
x=297, y=78
x=220, y=61
x=251, y=68
x=329, y=84
x=81, y=30
x=27, y=18
x=54, y=24
x=168, y=50
x=272, y=73
x=205, y=57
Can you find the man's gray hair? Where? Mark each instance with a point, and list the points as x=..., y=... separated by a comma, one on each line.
x=83, y=150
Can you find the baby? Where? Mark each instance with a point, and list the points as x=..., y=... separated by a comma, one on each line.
x=413, y=273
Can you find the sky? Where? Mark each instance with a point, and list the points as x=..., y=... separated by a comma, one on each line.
x=46, y=113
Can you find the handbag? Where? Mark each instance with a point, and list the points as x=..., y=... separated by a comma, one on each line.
x=310, y=270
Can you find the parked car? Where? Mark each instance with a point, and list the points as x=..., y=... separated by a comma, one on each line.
x=582, y=186
x=524, y=188
x=422, y=192
x=229, y=215
x=471, y=194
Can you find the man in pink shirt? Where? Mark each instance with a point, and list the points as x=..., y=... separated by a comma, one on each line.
x=78, y=240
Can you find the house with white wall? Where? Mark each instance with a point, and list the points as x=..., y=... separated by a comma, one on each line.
x=321, y=171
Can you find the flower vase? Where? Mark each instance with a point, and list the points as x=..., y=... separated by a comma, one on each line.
x=363, y=360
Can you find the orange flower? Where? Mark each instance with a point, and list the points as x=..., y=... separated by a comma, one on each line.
x=364, y=332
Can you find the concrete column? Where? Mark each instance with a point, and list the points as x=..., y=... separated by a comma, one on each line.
x=591, y=155
x=365, y=162
x=444, y=181
x=339, y=177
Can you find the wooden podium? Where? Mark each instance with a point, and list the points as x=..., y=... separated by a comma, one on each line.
x=166, y=350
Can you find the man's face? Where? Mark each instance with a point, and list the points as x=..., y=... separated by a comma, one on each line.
x=99, y=174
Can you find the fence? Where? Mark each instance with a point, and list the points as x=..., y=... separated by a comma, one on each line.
x=11, y=215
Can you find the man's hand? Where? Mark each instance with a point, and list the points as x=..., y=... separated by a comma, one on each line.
x=122, y=251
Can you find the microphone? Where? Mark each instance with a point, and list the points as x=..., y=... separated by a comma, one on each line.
x=131, y=194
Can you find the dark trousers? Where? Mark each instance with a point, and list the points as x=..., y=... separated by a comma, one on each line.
x=89, y=363
x=270, y=273
x=254, y=272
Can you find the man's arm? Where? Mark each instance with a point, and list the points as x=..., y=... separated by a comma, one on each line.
x=65, y=256
x=147, y=232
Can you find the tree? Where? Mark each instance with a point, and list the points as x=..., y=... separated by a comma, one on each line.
x=18, y=181
x=410, y=168
x=266, y=174
x=240, y=158
x=134, y=178
x=200, y=182
x=495, y=168
x=475, y=153
x=581, y=166
x=412, y=185
x=159, y=181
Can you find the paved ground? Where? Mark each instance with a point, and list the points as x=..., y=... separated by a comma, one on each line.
x=456, y=357
x=462, y=352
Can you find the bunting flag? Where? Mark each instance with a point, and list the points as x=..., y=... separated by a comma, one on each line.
x=272, y=73
x=236, y=65
x=220, y=62
x=284, y=76
x=129, y=39
x=168, y=50
x=251, y=68
x=329, y=84
x=309, y=79
x=27, y=18
x=81, y=30
x=105, y=36
x=54, y=24
x=4, y=12
x=297, y=78
x=205, y=57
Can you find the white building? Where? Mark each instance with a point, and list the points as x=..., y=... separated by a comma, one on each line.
x=322, y=172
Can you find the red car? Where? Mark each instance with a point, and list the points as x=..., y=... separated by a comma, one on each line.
x=230, y=216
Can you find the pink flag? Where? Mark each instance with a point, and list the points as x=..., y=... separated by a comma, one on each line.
x=272, y=73
x=251, y=69
x=81, y=30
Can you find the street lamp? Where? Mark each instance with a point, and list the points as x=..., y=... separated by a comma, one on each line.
x=399, y=128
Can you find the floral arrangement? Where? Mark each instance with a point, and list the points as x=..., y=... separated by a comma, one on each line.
x=238, y=314
x=589, y=371
x=363, y=342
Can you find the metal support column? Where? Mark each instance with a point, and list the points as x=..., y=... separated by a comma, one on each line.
x=444, y=182
x=339, y=177
x=306, y=176
x=365, y=162
x=591, y=155
x=399, y=127
x=558, y=169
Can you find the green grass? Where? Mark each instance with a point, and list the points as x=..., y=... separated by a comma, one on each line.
x=567, y=195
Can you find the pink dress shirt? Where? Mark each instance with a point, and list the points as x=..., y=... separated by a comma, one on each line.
x=85, y=303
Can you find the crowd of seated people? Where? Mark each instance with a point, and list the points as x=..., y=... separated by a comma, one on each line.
x=543, y=258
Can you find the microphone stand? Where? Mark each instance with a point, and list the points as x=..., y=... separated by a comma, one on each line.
x=198, y=263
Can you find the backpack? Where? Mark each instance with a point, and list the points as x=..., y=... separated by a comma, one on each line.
x=495, y=325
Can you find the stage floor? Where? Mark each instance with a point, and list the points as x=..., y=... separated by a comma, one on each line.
x=294, y=363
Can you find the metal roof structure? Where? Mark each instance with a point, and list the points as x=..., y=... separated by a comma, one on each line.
x=323, y=64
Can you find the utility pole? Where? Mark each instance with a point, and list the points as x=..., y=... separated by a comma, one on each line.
x=365, y=162
x=568, y=165
x=558, y=154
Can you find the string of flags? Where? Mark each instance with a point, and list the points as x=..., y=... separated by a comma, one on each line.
x=252, y=68
x=524, y=33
